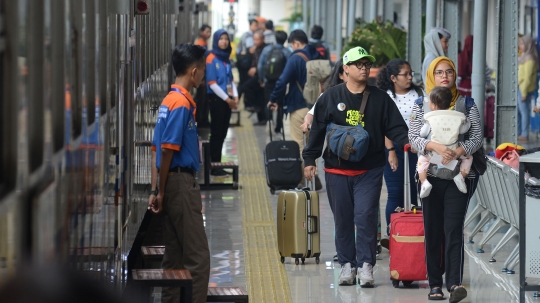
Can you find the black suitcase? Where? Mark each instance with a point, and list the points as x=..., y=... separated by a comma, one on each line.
x=282, y=163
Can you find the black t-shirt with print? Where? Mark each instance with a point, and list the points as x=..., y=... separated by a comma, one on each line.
x=338, y=105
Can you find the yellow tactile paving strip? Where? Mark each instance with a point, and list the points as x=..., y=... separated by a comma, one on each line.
x=266, y=277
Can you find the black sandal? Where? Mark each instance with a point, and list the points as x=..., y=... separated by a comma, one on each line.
x=434, y=294
x=457, y=293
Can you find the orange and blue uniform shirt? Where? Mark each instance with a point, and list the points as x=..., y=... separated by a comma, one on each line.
x=201, y=42
x=176, y=129
x=218, y=72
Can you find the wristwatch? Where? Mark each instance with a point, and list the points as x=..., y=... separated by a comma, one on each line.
x=391, y=149
x=154, y=192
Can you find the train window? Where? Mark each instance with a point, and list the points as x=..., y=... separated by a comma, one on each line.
x=76, y=67
x=58, y=87
x=102, y=55
x=90, y=49
x=8, y=122
x=35, y=84
x=529, y=21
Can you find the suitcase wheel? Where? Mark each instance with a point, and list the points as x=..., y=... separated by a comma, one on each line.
x=395, y=283
x=379, y=249
x=303, y=259
x=407, y=283
x=272, y=191
x=296, y=261
x=282, y=259
x=317, y=260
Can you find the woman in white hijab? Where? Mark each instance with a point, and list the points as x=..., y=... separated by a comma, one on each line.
x=527, y=79
x=435, y=45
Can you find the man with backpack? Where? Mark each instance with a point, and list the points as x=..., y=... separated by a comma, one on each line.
x=270, y=67
x=304, y=57
x=315, y=40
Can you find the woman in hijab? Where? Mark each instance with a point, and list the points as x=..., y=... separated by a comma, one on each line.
x=435, y=45
x=465, y=67
x=445, y=208
x=222, y=94
x=527, y=79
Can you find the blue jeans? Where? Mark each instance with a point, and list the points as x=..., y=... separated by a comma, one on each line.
x=354, y=202
x=396, y=180
x=524, y=114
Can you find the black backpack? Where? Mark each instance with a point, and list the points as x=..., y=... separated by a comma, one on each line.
x=321, y=49
x=274, y=64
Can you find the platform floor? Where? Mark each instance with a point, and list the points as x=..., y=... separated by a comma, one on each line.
x=241, y=231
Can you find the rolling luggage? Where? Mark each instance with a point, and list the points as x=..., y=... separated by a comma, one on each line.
x=282, y=163
x=407, y=253
x=298, y=225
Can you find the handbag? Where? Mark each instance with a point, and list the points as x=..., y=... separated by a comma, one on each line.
x=349, y=142
x=480, y=161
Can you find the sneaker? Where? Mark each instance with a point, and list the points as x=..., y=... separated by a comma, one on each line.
x=335, y=258
x=460, y=183
x=366, y=275
x=425, y=189
x=346, y=276
x=385, y=242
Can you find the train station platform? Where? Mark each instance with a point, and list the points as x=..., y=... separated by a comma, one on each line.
x=241, y=230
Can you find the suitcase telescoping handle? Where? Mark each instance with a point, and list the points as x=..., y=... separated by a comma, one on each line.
x=270, y=118
x=312, y=184
x=407, y=185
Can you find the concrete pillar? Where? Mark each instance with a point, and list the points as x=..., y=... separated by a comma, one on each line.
x=478, y=77
x=373, y=5
x=254, y=8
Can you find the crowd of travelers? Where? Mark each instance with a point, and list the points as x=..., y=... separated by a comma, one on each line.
x=272, y=73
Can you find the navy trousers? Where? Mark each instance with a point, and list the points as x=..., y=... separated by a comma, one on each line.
x=354, y=202
x=396, y=180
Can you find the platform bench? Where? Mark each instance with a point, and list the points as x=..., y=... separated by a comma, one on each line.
x=146, y=279
x=227, y=294
x=152, y=256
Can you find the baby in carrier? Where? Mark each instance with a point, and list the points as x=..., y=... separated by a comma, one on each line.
x=444, y=126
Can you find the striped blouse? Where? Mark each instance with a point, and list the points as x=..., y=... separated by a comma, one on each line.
x=473, y=138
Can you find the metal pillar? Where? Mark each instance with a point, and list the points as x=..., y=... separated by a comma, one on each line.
x=373, y=5
x=365, y=10
x=478, y=77
x=328, y=9
x=431, y=14
x=311, y=15
x=414, y=39
x=254, y=7
x=506, y=94
x=351, y=8
x=452, y=24
x=318, y=14
x=339, y=27
x=305, y=12
x=388, y=10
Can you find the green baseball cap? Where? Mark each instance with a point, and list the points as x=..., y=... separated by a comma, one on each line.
x=355, y=54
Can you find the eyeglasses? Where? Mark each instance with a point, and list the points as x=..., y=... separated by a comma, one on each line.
x=407, y=74
x=360, y=64
x=440, y=73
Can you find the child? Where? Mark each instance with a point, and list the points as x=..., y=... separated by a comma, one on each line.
x=444, y=126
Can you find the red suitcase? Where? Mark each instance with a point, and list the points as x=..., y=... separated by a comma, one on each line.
x=407, y=252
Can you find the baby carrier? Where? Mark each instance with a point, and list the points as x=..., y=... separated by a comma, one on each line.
x=446, y=126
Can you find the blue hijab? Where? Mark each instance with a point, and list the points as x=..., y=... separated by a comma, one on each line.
x=221, y=54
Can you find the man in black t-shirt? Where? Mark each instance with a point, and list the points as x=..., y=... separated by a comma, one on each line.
x=354, y=188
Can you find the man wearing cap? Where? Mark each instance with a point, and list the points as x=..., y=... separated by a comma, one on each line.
x=294, y=75
x=354, y=188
